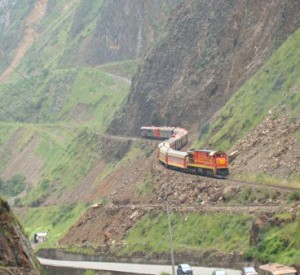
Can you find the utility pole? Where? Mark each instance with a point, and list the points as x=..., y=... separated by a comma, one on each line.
x=170, y=232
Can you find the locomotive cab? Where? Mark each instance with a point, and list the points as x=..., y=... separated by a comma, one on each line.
x=208, y=162
x=221, y=164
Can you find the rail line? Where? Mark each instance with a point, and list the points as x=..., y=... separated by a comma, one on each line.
x=263, y=184
x=242, y=182
x=236, y=208
x=228, y=179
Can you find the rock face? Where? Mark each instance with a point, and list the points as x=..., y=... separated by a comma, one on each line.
x=270, y=148
x=205, y=53
x=16, y=255
x=124, y=30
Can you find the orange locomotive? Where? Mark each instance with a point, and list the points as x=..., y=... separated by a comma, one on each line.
x=196, y=161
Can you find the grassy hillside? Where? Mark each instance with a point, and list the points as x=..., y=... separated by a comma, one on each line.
x=55, y=220
x=72, y=107
x=275, y=84
x=12, y=15
x=219, y=232
x=75, y=95
x=190, y=232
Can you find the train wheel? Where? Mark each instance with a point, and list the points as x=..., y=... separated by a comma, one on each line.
x=201, y=171
x=210, y=173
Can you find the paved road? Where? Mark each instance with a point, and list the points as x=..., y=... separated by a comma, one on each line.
x=135, y=268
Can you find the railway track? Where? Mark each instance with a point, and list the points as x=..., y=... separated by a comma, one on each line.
x=244, y=182
x=262, y=184
x=128, y=138
x=232, y=209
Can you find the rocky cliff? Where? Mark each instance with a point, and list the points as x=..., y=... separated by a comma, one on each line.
x=205, y=53
x=16, y=255
x=125, y=29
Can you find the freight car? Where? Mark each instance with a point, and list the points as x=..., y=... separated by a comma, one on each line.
x=196, y=161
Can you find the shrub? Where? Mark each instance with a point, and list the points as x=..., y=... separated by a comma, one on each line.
x=294, y=196
x=13, y=186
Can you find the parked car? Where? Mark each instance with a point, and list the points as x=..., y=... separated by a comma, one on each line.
x=219, y=272
x=249, y=270
x=184, y=269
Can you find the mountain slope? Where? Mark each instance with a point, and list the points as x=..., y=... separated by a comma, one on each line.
x=55, y=108
x=262, y=119
x=205, y=53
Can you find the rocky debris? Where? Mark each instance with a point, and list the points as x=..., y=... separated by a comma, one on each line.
x=270, y=148
x=16, y=255
x=114, y=149
x=105, y=225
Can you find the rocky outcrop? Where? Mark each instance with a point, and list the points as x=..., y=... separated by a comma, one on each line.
x=205, y=53
x=16, y=255
x=271, y=148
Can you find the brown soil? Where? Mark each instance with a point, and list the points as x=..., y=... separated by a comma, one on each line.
x=30, y=36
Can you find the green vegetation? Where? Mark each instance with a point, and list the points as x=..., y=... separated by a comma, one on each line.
x=6, y=132
x=250, y=195
x=86, y=95
x=69, y=106
x=124, y=69
x=13, y=186
x=84, y=103
x=190, y=232
x=55, y=220
x=222, y=232
x=145, y=189
x=278, y=243
x=276, y=84
x=91, y=272
x=66, y=163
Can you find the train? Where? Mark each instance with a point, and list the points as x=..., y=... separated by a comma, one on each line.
x=196, y=161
